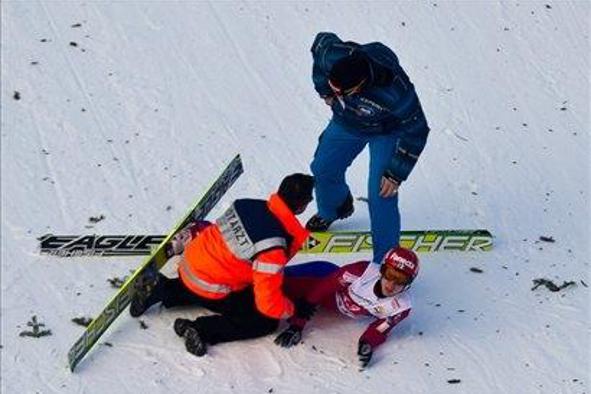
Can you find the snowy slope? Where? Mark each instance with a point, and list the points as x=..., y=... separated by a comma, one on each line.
x=129, y=109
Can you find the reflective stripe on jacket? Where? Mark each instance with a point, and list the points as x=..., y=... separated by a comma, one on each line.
x=249, y=245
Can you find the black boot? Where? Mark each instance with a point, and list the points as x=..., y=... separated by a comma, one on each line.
x=346, y=209
x=193, y=342
x=317, y=223
x=147, y=289
x=181, y=325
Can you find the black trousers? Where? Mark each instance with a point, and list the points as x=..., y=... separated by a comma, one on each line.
x=237, y=316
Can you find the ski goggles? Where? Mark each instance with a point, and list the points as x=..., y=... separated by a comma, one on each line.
x=393, y=275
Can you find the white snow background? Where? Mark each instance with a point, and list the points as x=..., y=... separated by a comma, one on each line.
x=130, y=109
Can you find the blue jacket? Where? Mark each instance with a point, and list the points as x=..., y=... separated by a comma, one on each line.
x=387, y=105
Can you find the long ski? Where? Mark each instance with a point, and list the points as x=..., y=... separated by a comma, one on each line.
x=154, y=261
x=326, y=242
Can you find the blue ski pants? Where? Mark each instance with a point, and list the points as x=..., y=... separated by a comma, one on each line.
x=337, y=148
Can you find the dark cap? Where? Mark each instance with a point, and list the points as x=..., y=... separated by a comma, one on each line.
x=350, y=71
x=296, y=190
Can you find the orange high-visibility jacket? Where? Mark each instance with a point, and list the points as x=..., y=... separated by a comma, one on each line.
x=248, y=245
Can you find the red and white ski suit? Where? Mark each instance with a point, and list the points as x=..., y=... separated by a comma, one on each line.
x=350, y=290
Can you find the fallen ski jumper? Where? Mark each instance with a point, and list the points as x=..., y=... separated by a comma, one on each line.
x=356, y=290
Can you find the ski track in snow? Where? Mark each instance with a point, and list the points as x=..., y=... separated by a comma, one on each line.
x=94, y=111
x=135, y=120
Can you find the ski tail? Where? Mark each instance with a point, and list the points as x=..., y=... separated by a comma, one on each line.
x=155, y=261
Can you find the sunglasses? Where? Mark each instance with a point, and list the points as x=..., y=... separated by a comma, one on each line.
x=346, y=92
x=393, y=275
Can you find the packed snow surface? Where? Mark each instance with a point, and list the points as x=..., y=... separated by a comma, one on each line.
x=130, y=109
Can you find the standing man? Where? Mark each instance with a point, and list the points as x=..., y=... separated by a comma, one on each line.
x=235, y=268
x=373, y=102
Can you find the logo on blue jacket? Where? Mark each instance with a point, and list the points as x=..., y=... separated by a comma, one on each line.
x=364, y=110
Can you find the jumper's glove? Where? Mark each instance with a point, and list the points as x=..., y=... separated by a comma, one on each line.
x=303, y=309
x=289, y=337
x=364, y=351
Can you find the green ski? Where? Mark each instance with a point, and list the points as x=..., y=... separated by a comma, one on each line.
x=419, y=241
x=155, y=261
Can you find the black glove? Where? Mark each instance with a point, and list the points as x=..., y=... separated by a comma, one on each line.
x=290, y=337
x=303, y=309
x=364, y=351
